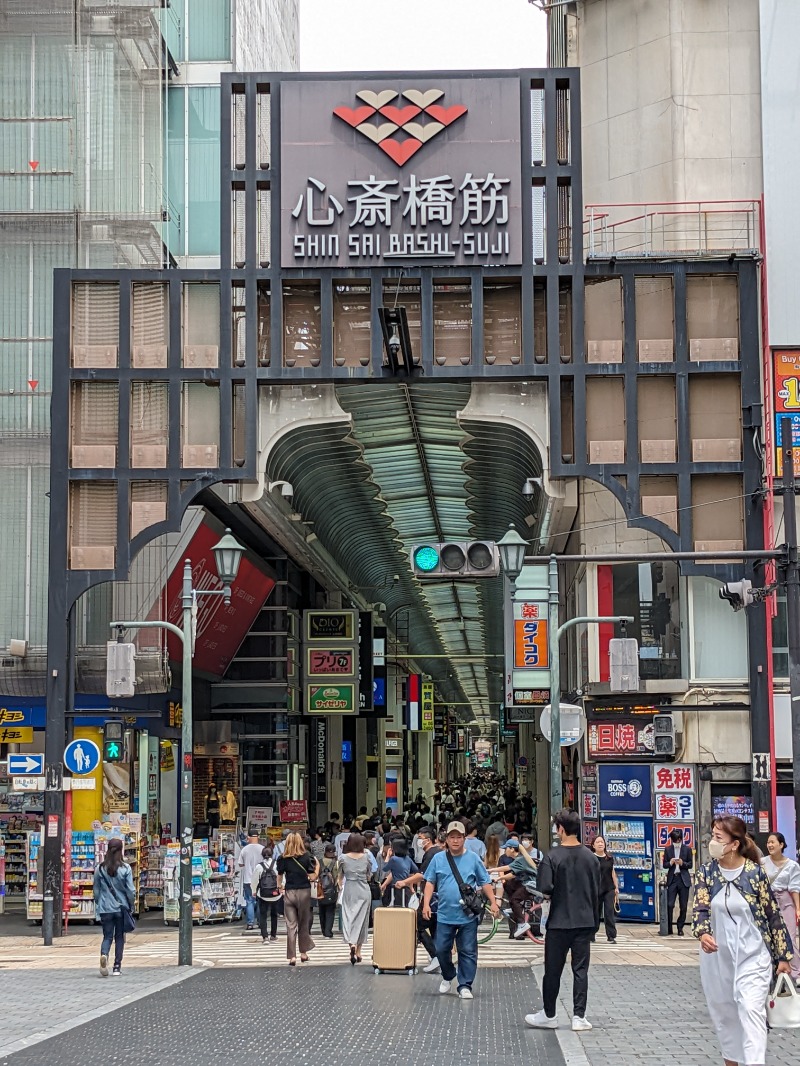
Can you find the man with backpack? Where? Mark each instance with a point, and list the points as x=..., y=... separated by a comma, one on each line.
x=264, y=888
x=328, y=890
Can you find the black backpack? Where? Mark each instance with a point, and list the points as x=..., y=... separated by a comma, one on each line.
x=268, y=881
x=330, y=890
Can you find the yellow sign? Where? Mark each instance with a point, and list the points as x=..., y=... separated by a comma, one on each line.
x=175, y=716
x=167, y=757
x=7, y=717
x=16, y=734
x=426, y=707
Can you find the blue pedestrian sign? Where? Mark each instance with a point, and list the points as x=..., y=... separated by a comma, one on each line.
x=81, y=756
x=23, y=765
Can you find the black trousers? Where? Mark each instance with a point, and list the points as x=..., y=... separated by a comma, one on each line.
x=558, y=944
x=608, y=914
x=327, y=913
x=268, y=913
x=676, y=889
x=426, y=929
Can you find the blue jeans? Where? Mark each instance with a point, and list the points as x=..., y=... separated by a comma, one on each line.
x=465, y=938
x=250, y=905
x=113, y=930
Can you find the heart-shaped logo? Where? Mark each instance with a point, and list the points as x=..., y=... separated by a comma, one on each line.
x=423, y=133
x=422, y=103
x=446, y=115
x=401, y=151
x=377, y=99
x=423, y=99
x=400, y=115
x=354, y=117
x=377, y=133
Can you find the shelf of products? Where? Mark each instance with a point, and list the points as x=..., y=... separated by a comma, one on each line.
x=152, y=879
x=81, y=878
x=213, y=886
x=14, y=830
x=2, y=875
x=33, y=897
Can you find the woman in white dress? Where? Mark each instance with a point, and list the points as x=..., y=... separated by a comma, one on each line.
x=784, y=879
x=743, y=937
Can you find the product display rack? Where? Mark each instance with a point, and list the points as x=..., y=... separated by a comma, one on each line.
x=16, y=865
x=213, y=890
x=152, y=880
x=33, y=897
x=81, y=881
x=2, y=875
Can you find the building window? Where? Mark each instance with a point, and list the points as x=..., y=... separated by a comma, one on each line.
x=209, y=30
x=203, y=171
x=719, y=635
x=649, y=593
x=780, y=639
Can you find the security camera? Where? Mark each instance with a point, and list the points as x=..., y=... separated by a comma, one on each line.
x=530, y=485
x=287, y=490
x=393, y=344
x=395, y=578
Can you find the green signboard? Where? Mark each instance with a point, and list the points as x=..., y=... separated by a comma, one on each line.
x=331, y=699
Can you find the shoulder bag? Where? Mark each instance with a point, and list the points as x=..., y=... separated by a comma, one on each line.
x=128, y=920
x=472, y=901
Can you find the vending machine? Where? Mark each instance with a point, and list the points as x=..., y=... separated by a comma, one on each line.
x=626, y=821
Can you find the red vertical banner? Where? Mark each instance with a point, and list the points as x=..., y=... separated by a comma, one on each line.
x=67, y=893
x=605, y=605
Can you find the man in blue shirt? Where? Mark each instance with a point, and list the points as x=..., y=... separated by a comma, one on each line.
x=474, y=843
x=454, y=924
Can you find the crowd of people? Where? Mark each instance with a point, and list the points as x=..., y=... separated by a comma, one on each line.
x=472, y=848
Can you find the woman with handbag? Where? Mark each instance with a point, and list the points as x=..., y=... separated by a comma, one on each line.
x=784, y=879
x=742, y=938
x=114, y=897
x=264, y=886
x=296, y=870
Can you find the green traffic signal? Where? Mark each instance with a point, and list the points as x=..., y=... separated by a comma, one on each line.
x=113, y=752
x=426, y=558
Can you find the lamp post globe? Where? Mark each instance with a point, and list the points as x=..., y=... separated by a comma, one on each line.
x=228, y=554
x=512, y=552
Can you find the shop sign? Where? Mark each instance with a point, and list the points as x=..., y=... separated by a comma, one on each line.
x=672, y=778
x=738, y=806
x=318, y=763
x=440, y=723
x=330, y=625
x=214, y=751
x=16, y=734
x=331, y=699
x=516, y=715
x=531, y=648
x=382, y=172
x=625, y=788
x=200, y=847
x=531, y=697
x=294, y=812
x=663, y=830
x=589, y=805
x=591, y=829
x=175, y=715
x=675, y=805
x=611, y=740
x=787, y=403
x=426, y=707
x=366, y=669
x=393, y=742
x=259, y=818
x=167, y=757
x=463, y=734
x=589, y=777
x=328, y=662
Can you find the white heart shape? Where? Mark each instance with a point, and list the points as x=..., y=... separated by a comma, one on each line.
x=422, y=99
x=377, y=99
x=423, y=133
x=377, y=133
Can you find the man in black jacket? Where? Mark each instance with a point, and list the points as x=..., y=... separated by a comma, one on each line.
x=677, y=860
x=570, y=876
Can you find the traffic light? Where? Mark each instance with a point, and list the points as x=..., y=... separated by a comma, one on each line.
x=663, y=734
x=739, y=594
x=623, y=659
x=455, y=560
x=120, y=669
x=113, y=745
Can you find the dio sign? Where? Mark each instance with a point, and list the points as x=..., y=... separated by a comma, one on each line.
x=382, y=172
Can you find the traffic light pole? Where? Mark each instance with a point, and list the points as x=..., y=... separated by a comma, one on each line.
x=789, y=490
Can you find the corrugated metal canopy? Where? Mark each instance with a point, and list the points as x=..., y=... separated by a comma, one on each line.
x=409, y=470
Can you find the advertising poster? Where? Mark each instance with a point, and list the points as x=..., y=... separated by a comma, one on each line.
x=787, y=403
x=625, y=788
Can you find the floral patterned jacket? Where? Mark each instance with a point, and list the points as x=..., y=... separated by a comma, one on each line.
x=753, y=883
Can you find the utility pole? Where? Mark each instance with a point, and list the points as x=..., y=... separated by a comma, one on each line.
x=788, y=491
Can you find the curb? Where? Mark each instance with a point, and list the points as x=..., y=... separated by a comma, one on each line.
x=98, y=1012
x=570, y=1044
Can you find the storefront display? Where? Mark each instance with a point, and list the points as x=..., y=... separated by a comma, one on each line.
x=83, y=862
x=213, y=882
x=14, y=829
x=626, y=804
x=152, y=882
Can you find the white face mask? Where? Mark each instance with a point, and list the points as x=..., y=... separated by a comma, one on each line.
x=716, y=849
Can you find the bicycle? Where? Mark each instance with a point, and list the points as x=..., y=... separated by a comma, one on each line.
x=530, y=909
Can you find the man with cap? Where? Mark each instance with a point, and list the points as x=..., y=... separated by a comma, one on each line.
x=455, y=924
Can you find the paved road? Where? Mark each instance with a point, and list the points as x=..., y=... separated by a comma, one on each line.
x=311, y=1015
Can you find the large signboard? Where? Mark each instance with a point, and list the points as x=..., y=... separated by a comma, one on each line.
x=385, y=172
x=614, y=740
x=625, y=789
x=787, y=402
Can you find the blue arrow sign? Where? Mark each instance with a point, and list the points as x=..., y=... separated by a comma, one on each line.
x=22, y=765
x=81, y=756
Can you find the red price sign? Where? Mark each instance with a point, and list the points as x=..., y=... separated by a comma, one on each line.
x=293, y=812
x=326, y=662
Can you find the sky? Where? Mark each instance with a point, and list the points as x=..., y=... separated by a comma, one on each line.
x=420, y=35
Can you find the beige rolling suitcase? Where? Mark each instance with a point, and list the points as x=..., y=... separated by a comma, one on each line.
x=394, y=940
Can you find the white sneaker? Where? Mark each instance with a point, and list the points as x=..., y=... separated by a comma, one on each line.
x=432, y=967
x=104, y=965
x=580, y=1025
x=521, y=930
x=539, y=1020
x=445, y=988
x=465, y=993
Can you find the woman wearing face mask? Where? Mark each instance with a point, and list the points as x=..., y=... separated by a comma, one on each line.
x=784, y=877
x=742, y=937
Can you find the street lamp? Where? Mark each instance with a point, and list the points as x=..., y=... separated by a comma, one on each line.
x=512, y=553
x=228, y=555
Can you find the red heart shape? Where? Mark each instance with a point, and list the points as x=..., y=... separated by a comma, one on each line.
x=400, y=151
x=446, y=115
x=354, y=118
x=400, y=114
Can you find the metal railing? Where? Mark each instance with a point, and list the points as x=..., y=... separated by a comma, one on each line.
x=691, y=228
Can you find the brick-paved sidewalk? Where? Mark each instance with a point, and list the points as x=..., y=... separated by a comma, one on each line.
x=640, y=1014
